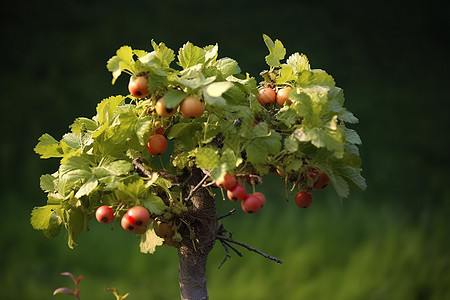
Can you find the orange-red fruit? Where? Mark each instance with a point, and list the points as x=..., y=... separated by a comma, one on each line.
x=261, y=197
x=157, y=144
x=138, y=86
x=104, y=214
x=128, y=225
x=322, y=182
x=251, y=204
x=303, y=199
x=162, y=110
x=136, y=219
x=228, y=182
x=192, y=107
x=267, y=97
x=237, y=193
x=283, y=96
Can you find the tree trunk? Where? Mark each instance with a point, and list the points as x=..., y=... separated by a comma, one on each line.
x=193, y=254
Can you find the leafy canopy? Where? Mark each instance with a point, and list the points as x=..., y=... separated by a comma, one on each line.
x=235, y=134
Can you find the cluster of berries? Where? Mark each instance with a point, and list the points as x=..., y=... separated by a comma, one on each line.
x=268, y=96
x=190, y=107
x=135, y=220
x=250, y=203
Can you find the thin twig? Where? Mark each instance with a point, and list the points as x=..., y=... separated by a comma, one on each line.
x=239, y=253
x=250, y=248
x=227, y=254
x=199, y=185
x=138, y=164
x=227, y=214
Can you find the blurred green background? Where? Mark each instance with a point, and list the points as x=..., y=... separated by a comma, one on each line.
x=391, y=58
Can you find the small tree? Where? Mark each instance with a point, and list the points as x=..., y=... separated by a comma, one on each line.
x=224, y=131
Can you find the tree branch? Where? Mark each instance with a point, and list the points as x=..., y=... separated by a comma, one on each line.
x=250, y=248
x=227, y=214
x=199, y=185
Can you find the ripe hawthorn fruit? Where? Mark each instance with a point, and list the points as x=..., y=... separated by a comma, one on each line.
x=267, y=97
x=104, y=214
x=237, y=193
x=162, y=110
x=322, y=182
x=228, y=182
x=251, y=203
x=261, y=197
x=136, y=219
x=303, y=199
x=138, y=86
x=192, y=107
x=157, y=144
x=283, y=96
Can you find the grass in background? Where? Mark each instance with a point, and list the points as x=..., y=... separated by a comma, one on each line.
x=355, y=251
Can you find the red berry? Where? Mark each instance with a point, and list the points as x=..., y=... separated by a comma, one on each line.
x=237, y=193
x=162, y=110
x=322, y=182
x=192, y=107
x=136, y=219
x=228, y=182
x=283, y=96
x=303, y=199
x=157, y=144
x=267, y=97
x=251, y=204
x=261, y=197
x=138, y=215
x=138, y=86
x=104, y=214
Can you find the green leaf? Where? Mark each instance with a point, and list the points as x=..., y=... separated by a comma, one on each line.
x=48, y=147
x=352, y=137
x=75, y=224
x=227, y=66
x=149, y=242
x=190, y=55
x=353, y=176
x=299, y=62
x=164, y=54
x=216, y=89
x=286, y=74
x=262, y=144
x=276, y=51
x=40, y=216
x=143, y=129
x=291, y=143
x=206, y=158
x=122, y=61
x=211, y=53
x=174, y=97
x=87, y=187
x=54, y=226
x=315, y=81
x=192, y=78
x=81, y=125
x=322, y=137
x=118, y=167
x=106, y=108
x=154, y=204
x=47, y=183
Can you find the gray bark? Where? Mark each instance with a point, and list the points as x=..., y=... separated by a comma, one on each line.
x=193, y=254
